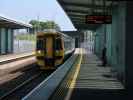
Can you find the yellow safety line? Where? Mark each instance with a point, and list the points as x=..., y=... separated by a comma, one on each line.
x=74, y=79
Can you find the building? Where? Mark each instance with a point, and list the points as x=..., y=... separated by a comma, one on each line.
x=7, y=27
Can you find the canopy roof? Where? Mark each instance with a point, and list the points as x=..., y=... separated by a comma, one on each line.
x=78, y=9
x=9, y=23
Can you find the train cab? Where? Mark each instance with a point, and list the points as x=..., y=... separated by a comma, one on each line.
x=49, y=50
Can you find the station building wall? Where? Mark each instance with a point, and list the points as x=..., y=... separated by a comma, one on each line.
x=99, y=41
x=114, y=40
x=129, y=48
x=6, y=40
x=118, y=40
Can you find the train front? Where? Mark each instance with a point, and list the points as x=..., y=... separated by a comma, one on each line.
x=49, y=50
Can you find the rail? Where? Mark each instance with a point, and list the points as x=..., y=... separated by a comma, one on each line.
x=19, y=86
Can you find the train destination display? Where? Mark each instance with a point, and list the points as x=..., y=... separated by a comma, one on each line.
x=98, y=19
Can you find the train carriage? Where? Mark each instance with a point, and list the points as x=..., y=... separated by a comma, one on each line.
x=52, y=48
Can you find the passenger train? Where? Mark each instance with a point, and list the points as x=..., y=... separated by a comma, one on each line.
x=53, y=48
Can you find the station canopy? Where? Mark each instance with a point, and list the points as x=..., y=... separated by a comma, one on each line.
x=9, y=23
x=77, y=10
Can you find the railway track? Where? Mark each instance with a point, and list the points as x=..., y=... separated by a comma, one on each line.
x=24, y=88
x=19, y=86
x=31, y=78
x=15, y=78
x=21, y=90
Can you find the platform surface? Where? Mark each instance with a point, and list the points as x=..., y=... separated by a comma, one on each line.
x=89, y=81
x=14, y=56
x=95, y=82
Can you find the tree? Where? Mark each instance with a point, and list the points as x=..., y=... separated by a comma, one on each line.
x=41, y=25
x=35, y=25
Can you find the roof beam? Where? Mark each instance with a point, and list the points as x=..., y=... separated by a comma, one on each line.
x=78, y=22
x=80, y=11
x=83, y=26
x=76, y=11
x=4, y=20
x=83, y=5
x=76, y=15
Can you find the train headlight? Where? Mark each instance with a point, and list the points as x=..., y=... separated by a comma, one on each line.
x=57, y=52
x=39, y=51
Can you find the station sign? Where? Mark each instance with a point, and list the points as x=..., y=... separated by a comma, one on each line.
x=98, y=19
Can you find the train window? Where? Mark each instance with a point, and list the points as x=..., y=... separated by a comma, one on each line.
x=58, y=44
x=40, y=45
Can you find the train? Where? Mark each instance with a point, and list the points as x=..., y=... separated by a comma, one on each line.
x=53, y=48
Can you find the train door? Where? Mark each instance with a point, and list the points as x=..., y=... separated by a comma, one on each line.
x=49, y=58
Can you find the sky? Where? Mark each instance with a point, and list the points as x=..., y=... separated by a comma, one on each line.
x=25, y=10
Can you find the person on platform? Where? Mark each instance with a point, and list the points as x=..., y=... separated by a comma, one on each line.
x=104, y=59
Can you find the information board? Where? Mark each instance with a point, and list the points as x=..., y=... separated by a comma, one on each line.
x=98, y=19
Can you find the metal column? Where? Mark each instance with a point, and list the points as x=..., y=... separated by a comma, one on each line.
x=9, y=41
x=3, y=41
x=0, y=40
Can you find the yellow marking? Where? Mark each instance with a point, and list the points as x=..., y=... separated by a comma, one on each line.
x=74, y=79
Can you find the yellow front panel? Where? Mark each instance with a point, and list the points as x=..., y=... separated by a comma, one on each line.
x=59, y=53
x=49, y=47
x=40, y=62
x=58, y=62
x=40, y=53
x=49, y=53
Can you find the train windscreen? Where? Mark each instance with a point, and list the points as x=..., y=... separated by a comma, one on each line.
x=58, y=44
x=40, y=44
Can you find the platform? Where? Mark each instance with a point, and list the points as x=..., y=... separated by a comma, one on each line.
x=89, y=81
x=12, y=62
x=11, y=57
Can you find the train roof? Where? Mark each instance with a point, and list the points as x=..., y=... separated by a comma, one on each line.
x=46, y=33
x=52, y=33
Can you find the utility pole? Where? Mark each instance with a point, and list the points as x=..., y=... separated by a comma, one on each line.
x=38, y=27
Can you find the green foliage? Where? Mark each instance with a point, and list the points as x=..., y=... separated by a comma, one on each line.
x=30, y=37
x=41, y=25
